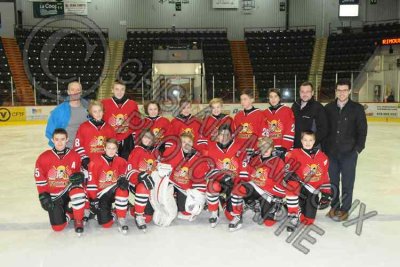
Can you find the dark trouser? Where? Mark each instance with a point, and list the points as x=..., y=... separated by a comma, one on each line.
x=308, y=203
x=342, y=168
x=126, y=146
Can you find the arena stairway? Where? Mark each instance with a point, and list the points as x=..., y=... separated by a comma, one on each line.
x=242, y=66
x=23, y=87
x=112, y=63
x=317, y=63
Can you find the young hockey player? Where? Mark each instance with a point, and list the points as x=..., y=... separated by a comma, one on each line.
x=264, y=192
x=141, y=163
x=157, y=124
x=91, y=135
x=307, y=177
x=107, y=185
x=248, y=123
x=279, y=123
x=211, y=123
x=227, y=156
x=123, y=115
x=59, y=183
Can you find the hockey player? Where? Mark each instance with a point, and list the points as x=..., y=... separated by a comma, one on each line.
x=91, y=135
x=157, y=124
x=264, y=191
x=227, y=157
x=59, y=183
x=279, y=123
x=141, y=163
x=248, y=123
x=211, y=123
x=189, y=169
x=123, y=115
x=307, y=177
x=107, y=185
x=186, y=123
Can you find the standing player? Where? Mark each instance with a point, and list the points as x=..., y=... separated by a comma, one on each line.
x=227, y=159
x=91, y=135
x=141, y=163
x=157, y=124
x=308, y=175
x=59, y=183
x=123, y=115
x=248, y=123
x=107, y=185
x=279, y=122
x=211, y=123
x=263, y=189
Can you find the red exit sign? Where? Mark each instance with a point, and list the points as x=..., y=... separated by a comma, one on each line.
x=391, y=41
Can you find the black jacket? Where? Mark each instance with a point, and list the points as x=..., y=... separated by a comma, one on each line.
x=347, y=128
x=311, y=117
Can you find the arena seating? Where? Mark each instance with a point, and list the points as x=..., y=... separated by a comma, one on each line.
x=283, y=53
x=349, y=51
x=5, y=77
x=216, y=51
x=68, y=59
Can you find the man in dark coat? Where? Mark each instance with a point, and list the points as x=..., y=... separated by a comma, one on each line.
x=346, y=139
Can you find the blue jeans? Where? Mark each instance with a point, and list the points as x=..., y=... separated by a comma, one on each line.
x=342, y=168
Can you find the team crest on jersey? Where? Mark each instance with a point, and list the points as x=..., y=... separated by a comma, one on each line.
x=182, y=175
x=59, y=176
x=313, y=171
x=259, y=177
x=107, y=178
x=274, y=129
x=229, y=164
x=97, y=144
x=247, y=130
x=120, y=122
x=147, y=165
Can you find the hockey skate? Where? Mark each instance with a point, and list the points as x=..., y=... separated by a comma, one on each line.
x=141, y=222
x=122, y=226
x=214, y=219
x=78, y=225
x=235, y=224
x=293, y=223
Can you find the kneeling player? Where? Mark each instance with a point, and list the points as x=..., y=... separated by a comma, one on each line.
x=59, y=182
x=264, y=192
x=108, y=184
x=308, y=175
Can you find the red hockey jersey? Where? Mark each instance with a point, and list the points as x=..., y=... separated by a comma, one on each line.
x=90, y=139
x=140, y=160
x=189, y=172
x=279, y=126
x=103, y=174
x=210, y=125
x=248, y=126
x=267, y=174
x=124, y=118
x=158, y=125
x=52, y=171
x=312, y=169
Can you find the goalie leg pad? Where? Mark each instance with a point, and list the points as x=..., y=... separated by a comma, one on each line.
x=104, y=216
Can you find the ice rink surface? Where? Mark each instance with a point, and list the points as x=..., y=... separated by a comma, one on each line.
x=26, y=238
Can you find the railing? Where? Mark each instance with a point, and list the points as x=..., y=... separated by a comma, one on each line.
x=305, y=27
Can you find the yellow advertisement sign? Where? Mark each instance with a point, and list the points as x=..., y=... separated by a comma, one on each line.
x=8, y=114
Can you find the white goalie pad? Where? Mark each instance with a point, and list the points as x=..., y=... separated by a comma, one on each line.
x=195, y=201
x=162, y=196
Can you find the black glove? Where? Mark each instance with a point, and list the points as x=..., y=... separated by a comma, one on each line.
x=46, y=202
x=290, y=176
x=85, y=163
x=76, y=178
x=226, y=181
x=94, y=206
x=146, y=179
x=122, y=182
x=279, y=152
x=324, y=201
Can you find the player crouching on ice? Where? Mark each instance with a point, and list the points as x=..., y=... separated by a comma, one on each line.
x=263, y=193
x=307, y=176
x=59, y=183
x=107, y=185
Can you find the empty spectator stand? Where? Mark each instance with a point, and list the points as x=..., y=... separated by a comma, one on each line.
x=5, y=78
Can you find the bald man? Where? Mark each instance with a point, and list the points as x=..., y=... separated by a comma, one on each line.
x=69, y=114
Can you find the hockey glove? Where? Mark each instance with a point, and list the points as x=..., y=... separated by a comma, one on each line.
x=76, y=178
x=94, y=206
x=46, y=202
x=146, y=179
x=324, y=201
x=122, y=182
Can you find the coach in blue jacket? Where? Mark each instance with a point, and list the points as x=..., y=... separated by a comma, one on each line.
x=346, y=139
x=69, y=114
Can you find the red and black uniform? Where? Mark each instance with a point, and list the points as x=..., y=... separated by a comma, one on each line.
x=142, y=159
x=90, y=138
x=188, y=172
x=124, y=117
x=265, y=186
x=211, y=123
x=104, y=172
x=248, y=125
x=52, y=171
x=158, y=125
x=185, y=124
x=279, y=126
x=228, y=160
x=311, y=167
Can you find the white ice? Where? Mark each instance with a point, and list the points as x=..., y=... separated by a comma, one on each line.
x=26, y=238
